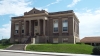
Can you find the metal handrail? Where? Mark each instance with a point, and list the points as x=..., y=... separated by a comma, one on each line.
x=27, y=39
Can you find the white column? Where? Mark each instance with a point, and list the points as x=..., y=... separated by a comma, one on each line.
x=24, y=27
x=39, y=26
x=44, y=26
x=30, y=27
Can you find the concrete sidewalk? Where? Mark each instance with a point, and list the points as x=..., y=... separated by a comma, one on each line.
x=44, y=53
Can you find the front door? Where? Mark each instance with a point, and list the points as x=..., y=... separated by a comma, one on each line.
x=35, y=28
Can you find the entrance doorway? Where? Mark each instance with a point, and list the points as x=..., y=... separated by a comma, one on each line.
x=35, y=28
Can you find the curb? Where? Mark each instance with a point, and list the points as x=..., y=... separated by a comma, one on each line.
x=44, y=53
x=8, y=47
x=25, y=47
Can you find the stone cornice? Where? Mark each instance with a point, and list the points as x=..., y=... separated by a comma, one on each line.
x=76, y=18
x=46, y=15
x=35, y=15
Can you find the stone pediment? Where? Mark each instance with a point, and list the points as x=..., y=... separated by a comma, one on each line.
x=34, y=11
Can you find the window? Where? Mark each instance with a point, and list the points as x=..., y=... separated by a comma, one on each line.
x=16, y=31
x=55, y=26
x=34, y=11
x=16, y=28
x=55, y=40
x=22, y=31
x=22, y=28
x=65, y=25
x=36, y=23
x=65, y=40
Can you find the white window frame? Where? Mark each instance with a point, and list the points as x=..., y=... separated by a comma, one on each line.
x=53, y=25
x=62, y=24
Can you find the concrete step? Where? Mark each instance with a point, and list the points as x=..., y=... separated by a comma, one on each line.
x=17, y=47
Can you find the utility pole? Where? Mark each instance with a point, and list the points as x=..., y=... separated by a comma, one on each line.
x=2, y=37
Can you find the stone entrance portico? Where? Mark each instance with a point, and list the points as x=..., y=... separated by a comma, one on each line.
x=35, y=27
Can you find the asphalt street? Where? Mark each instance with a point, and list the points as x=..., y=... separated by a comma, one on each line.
x=34, y=53
x=20, y=54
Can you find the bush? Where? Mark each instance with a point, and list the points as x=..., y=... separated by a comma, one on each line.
x=96, y=50
x=5, y=41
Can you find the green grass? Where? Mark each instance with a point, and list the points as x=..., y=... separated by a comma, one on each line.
x=62, y=48
x=3, y=46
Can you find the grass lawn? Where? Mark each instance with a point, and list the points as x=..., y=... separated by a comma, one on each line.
x=63, y=48
x=3, y=46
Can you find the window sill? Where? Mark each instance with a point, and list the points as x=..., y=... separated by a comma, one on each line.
x=64, y=31
x=22, y=33
x=16, y=34
x=55, y=32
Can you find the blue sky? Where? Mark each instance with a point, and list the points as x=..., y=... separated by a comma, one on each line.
x=87, y=11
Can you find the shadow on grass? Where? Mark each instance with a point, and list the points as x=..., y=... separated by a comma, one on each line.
x=95, y=54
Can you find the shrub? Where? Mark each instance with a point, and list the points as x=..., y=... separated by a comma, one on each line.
x=5, y=41
x=96, y=50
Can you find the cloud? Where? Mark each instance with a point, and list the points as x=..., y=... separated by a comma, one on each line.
x=57, y=1
x=46, y=7
x=16, y=7
x=74, y=2
x=5, y=30
x=89, y=23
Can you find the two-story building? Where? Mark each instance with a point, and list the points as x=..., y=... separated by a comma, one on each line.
x=40, y=26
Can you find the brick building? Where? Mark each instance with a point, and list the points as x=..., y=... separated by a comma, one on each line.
x=93, y=40
x=40, y=26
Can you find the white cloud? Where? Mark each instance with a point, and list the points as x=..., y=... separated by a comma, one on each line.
x=46, y=7
x=74, y=2
x=89, y=23
x=5, y=30
x=57, y=1
x=16, y=7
